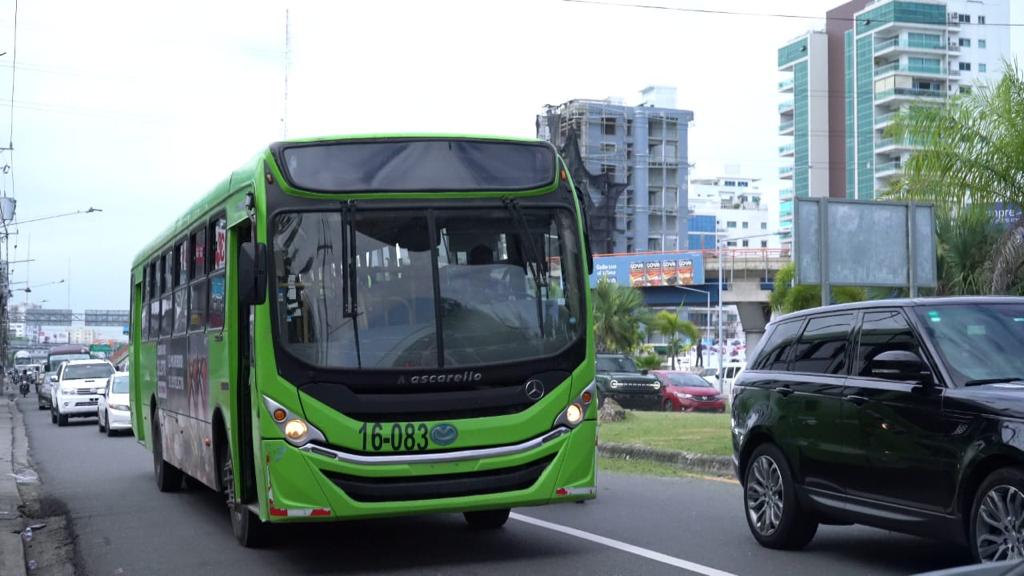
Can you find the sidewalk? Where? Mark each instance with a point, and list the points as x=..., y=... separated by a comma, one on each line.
x=13, y=458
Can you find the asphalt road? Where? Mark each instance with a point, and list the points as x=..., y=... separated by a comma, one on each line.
x=637, y=525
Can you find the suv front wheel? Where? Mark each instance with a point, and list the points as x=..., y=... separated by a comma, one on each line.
x=773, y=512
x=997, y=517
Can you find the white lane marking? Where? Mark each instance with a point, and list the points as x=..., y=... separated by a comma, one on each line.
x=619, y=545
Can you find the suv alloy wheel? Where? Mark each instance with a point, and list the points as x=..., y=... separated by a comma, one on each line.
x=773, y=511
x=997, y=517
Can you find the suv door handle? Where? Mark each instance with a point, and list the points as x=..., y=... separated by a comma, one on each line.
x=784, y=391
x=858, y=400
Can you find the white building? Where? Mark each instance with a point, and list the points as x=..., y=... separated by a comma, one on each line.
x=740, y=210
x=16, y=329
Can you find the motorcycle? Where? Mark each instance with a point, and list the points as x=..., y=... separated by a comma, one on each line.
x=23, y=388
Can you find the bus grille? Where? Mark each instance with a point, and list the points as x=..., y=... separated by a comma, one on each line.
x=401, y=488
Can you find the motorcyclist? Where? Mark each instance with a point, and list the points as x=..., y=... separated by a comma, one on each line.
x=24, y=386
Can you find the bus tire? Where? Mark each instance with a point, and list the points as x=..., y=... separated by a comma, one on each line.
x=168, y=478
x=487, y=519
x=249, y=530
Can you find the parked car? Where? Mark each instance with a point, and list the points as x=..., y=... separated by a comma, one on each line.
x=687, y=392
x=76, y=389
x=901, y=414
x=709, y=374
x=618, y=378
x=112, y=411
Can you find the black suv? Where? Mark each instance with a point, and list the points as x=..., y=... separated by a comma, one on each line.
x=907, y=415
x=619, y=378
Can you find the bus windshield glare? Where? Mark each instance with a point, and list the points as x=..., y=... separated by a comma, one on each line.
x=451, y=288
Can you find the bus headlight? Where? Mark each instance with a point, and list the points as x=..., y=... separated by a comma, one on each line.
x=577, y=409
x=573, y=414
x=295, y=429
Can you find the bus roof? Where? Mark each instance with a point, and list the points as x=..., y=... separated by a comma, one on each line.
x=246, y=174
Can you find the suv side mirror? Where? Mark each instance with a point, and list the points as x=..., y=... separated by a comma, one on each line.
x=900, y=365
x=53, y=377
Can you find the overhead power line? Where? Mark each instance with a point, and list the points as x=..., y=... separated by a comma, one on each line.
x=758, y=14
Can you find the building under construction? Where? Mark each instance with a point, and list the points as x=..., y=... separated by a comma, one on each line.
x=632, y=162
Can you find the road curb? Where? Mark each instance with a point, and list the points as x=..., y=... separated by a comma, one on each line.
x=687, y=461
x=13, y=461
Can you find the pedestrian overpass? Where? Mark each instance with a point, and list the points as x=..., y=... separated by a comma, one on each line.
x=748, y=276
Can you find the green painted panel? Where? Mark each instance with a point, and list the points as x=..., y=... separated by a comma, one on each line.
x=864, y=98
x=801, y=134
x=851, y=162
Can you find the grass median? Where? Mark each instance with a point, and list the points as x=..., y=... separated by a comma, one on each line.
x=690, y=432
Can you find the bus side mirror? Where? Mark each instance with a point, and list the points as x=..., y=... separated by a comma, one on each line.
x=252, y=273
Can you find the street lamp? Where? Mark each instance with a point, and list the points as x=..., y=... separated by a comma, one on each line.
x=90, y=210
x=706, y=293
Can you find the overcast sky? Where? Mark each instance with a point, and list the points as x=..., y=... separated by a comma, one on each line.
x=138, y=108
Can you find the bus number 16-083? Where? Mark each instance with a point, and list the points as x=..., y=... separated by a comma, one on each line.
x=407, y=437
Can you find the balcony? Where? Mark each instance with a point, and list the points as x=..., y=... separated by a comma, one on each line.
x=887, y=169
x=786, y=150
x=786, y=85
x=786, y=172
x=786, y=107
x=895, y=67
x=909, y=94
x=906, y=44
x=953, y=21
x=785, y=193
x=786, y=128
x=883, y=120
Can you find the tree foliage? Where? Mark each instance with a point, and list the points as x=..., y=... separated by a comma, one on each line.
x=648, y=362
x=617, y=317
x=787, y=297
x=970, y=155
x=674, y=328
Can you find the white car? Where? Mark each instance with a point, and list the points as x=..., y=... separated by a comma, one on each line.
x=76, y=389
x=113, y=411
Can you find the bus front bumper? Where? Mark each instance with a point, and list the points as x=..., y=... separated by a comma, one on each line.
x=323, y=483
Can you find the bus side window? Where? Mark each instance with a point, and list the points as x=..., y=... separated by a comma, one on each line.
x=180, y=287
x=166, y=301
x=154, y=299
x=218, y=286
x=197, y=289
x=144, y=304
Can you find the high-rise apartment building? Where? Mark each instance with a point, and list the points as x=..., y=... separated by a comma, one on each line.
x=803, y=115
x=874, y=59
x=902, y=53
x=642, y=153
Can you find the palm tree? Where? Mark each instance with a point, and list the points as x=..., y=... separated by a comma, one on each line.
x=967, y=240
x=672, y=327
x=786, y=297
x=971, y=152
x=617, y=311
x=649, y=362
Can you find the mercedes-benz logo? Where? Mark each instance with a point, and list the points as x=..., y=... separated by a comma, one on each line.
x=534, y=390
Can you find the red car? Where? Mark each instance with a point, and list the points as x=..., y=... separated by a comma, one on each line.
x=686, y=392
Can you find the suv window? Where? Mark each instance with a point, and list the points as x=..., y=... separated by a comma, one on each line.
x=822, y=347
x=880, y=332
x=615, y=364
x=775, y=353
x=80, y=371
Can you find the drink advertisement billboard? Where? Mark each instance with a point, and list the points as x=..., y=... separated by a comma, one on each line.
x=650, y=270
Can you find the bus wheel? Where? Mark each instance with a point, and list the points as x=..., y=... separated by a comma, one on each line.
x=487, y=519
x=168, y=478
x=249, y=530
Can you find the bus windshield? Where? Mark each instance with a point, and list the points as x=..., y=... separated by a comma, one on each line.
x=448, y=288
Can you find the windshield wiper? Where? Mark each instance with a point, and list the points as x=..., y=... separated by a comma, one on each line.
x=1000, y=380
x=349, y=299
x=538, y=266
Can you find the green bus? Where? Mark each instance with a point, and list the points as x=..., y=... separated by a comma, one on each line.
x=357, y=327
